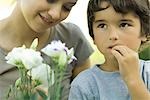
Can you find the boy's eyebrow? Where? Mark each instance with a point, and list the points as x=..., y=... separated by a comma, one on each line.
x=123, y=20
x=96, y=21
x=127, y=20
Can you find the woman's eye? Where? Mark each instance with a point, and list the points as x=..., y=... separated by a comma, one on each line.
x=51, y=1
x=68, y=7
x=124, y=25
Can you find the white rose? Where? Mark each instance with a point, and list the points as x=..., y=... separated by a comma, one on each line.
x=60, y=52
x=54, y=49
x=42, y=73
x=14, y=57
x=22, y=57
x=31, y=58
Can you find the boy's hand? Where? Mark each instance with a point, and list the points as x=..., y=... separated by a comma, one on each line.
x=128, y=62
x=129, y=69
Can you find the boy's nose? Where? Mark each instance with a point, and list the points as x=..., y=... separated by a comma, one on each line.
x=55, y=13
x=113, y=35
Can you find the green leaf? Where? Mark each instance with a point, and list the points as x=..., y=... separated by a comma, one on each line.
x=42, y=94
x=62, y=61
x=34, y=44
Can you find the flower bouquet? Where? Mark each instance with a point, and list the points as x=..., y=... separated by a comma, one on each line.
x=38, y=79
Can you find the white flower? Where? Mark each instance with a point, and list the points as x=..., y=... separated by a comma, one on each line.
x=29, y=58
x=42, y=73
x=53, y=49
x=14, y=57
x=59, y=51
x=34, y=72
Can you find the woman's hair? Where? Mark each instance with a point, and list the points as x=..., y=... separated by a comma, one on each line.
x=139, y=7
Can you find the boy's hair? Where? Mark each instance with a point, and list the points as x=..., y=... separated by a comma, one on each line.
x=139, y=7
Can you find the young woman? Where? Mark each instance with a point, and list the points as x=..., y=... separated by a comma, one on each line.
x=41, y=19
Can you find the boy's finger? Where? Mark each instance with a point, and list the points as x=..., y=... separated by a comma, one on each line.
x=122, y=50
x=117, y=54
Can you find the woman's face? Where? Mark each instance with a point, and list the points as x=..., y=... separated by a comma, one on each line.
x=42, y=14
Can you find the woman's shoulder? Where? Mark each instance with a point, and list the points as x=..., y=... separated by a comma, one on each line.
x=67, y=25
x=69, y=28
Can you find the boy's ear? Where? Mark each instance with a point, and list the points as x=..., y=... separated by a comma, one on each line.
x=143, y=38
x=145, y=42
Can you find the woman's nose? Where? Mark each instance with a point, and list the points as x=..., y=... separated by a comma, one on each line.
x=55, y=13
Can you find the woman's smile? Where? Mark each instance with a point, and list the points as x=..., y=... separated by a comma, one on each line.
x=46, y=20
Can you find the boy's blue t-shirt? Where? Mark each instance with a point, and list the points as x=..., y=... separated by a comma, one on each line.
x=96, y=84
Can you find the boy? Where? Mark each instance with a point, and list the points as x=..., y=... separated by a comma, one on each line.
x=118, y=28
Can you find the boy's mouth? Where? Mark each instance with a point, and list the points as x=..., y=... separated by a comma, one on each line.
x=111, y=46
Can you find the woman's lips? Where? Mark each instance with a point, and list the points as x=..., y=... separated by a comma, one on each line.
x=46, y=20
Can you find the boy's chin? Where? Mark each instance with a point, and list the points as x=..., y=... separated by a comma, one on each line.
x=111, y=58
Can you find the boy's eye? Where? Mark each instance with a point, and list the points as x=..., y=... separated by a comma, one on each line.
x=124, y=25
x=103, y=26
